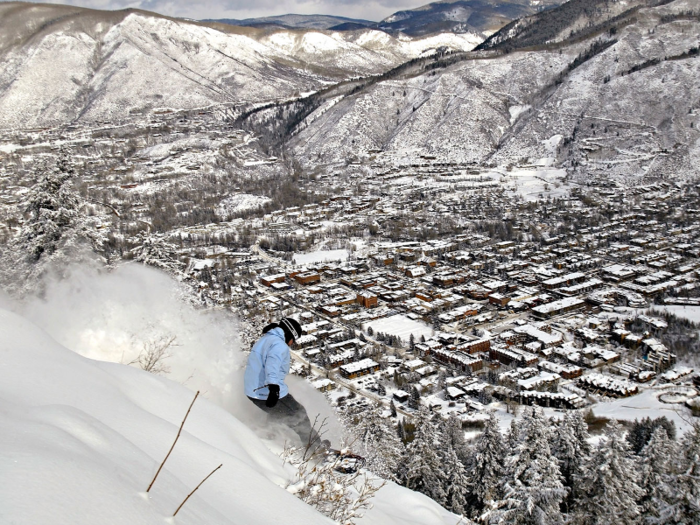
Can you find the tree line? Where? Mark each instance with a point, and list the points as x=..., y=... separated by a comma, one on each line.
x=541, y=471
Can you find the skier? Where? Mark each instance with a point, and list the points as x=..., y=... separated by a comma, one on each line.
x=268, y=364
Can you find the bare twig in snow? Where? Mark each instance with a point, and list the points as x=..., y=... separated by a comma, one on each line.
x=195, y=489
x=174, y=442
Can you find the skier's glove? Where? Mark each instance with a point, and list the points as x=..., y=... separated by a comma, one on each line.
x=273, y=396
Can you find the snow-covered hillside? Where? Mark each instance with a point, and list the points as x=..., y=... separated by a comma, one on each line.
x=630, y=108
x=64, y=64
x=366, y=50
x=82, y=439
x=479, y=16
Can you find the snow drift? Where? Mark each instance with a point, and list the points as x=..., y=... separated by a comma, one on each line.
x=82, y=439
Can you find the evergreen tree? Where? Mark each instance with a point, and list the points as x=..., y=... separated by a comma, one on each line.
x=609, y=485
x=655, y=464
x=441, y=379
x=533, y=484
x=452, y=452
x=641, y=431
x=513, y=437
x=392, y=407
x=154, y=250
x=571, y=448
x=454, y=435
x=456, y=482
x=487, y=466
x=414, y=398
x=382, y=446
x=56, y=231
x=423, y=472
x=685, y=484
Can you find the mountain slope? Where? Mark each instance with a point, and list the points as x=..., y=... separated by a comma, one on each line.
x=575, y=18
x=479, y=16
x=625, y=101
x=82, y=440
x=62, y=64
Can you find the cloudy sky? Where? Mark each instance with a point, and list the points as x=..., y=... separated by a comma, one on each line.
x=364, y=9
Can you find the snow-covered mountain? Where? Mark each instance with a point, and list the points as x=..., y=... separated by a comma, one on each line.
x=62, y=64
x=296, y=21
x=457, y=16
x=623, y=97
x=82, y=440
x=479, y=16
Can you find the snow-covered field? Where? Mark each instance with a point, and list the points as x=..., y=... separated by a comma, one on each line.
x=400, y=326
x=531, y=183
x=321, y=256
x=643, y=405
x=691, y=313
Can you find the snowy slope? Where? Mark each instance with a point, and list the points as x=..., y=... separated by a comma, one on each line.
x=89, y=66
x=461, y=15
x=631, y=124
x=82, y=440
x=61, y=64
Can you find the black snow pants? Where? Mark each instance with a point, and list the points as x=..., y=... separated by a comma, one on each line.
x=290, y=412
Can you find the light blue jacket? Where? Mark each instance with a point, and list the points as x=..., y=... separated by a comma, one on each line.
x=268, y=364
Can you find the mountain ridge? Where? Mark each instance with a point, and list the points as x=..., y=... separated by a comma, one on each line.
x=488, y=107
x=455, y=16
x=64, y=63
x=294, y=21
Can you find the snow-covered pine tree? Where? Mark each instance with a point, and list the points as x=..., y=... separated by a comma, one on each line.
x=56, y=231
x=414, y=399
x=641, y=431
x=453, y=452
x=533, y=483
x=487, y=466
x=609, y=484
x=685, y=484
x=655, y=465
x=571, y=447
x=154, y=250
x=454, y=434
x=456, y=482
x=382, y=447
x=423, y=471
x=513, y=436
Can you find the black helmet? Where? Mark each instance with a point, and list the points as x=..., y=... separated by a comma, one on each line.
x=292, y=328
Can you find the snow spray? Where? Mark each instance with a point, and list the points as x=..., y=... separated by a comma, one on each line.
x=119, y=316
